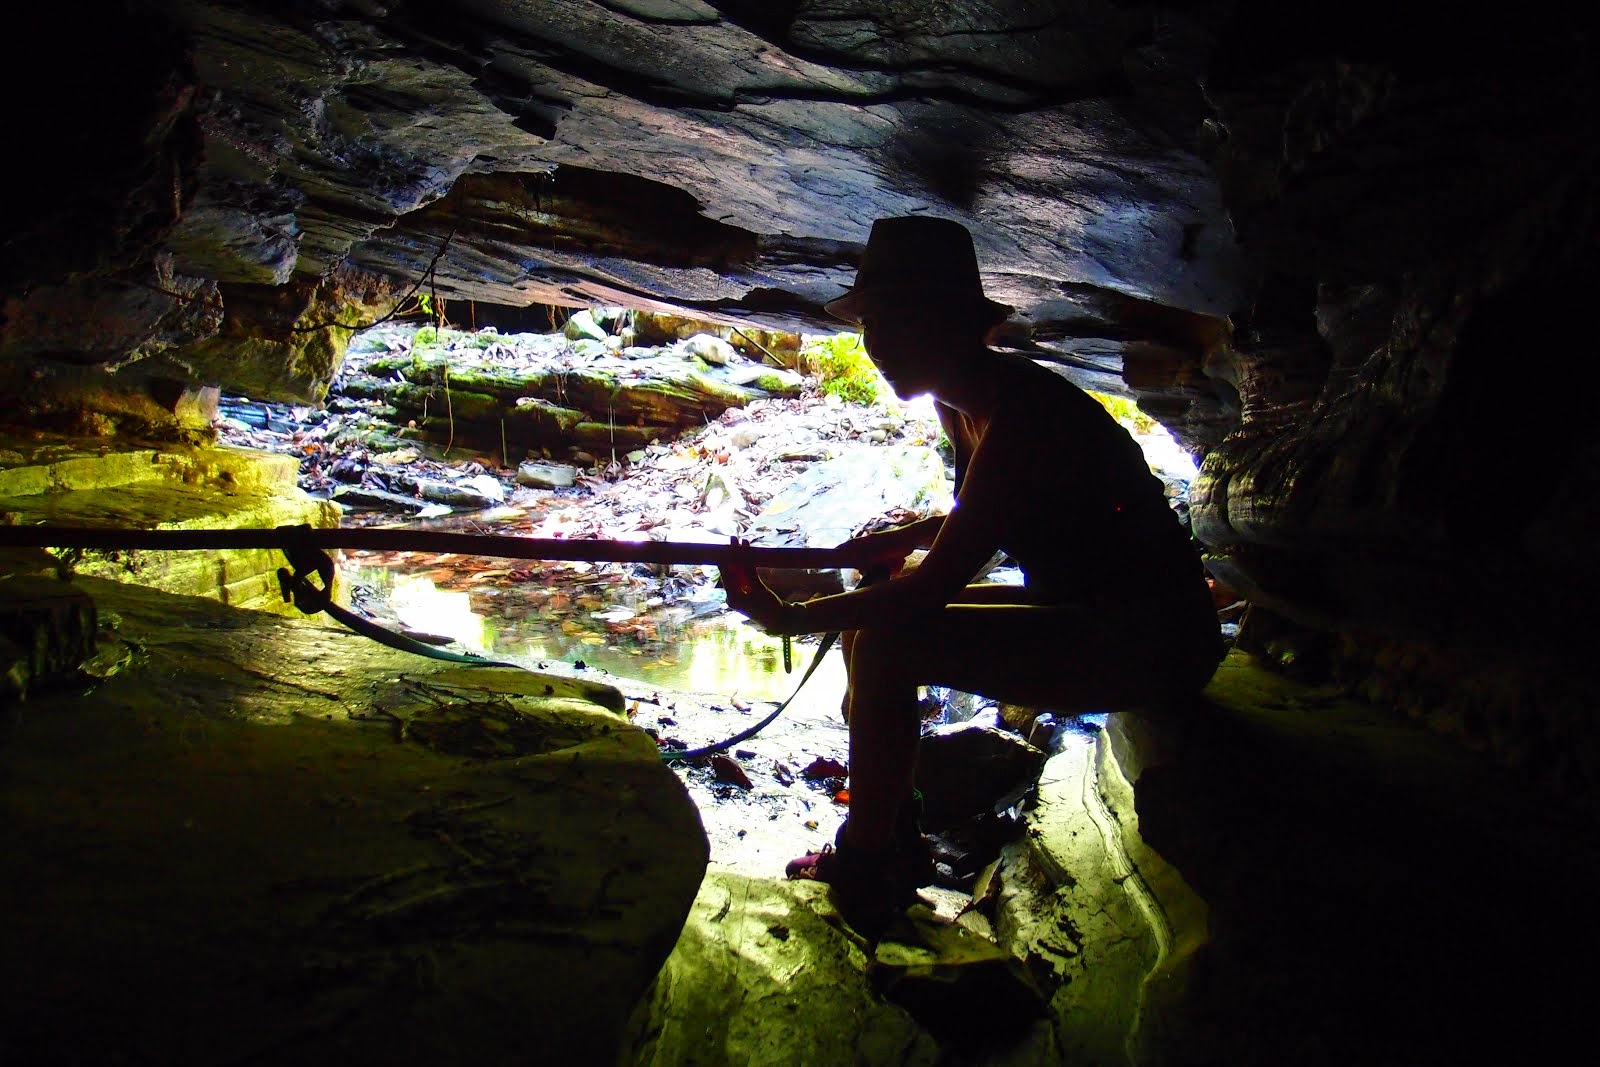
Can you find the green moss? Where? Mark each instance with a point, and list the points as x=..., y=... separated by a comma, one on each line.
x=770, y=383
x=1127, y=413
x=436, y=337
x=843, y=368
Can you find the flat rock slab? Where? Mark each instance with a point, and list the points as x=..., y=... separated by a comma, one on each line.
x=831, y=500
x=1277, y=873
x=766, y=972
x=268, y=841
x=74, y=482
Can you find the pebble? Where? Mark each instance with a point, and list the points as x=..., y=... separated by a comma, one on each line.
x=714, y=350
x=546, y=475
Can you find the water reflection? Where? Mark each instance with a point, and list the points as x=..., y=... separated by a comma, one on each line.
x=690, y=644
x=422, y=606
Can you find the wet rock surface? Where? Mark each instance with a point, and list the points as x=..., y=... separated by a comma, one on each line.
x=73, y=481
x=1158, y=933
x=766, y=972
x=1364, y=884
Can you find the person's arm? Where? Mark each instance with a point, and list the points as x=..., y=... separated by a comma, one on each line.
x=891, y=547
x=922, y=533
x=747, y=594
x=965, y=542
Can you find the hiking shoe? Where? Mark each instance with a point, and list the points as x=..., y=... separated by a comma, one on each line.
x=866, y=887
x=909, y=858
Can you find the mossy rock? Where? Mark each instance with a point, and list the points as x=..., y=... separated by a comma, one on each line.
x=291, y=844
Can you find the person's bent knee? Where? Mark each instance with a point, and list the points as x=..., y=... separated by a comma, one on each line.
x=882, y=673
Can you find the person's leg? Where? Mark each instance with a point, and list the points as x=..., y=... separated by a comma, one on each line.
x=885, y=723
x=884, y=742
x=1065, y=658
x=847, y=648
x=885, y=669
x=1062, y=657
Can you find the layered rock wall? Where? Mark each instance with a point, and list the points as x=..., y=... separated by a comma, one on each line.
x=1406, y=500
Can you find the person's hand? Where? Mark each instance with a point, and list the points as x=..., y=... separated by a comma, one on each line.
x=748, y=595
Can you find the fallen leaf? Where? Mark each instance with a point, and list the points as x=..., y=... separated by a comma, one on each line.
x=484, y=576
x=823, y=767
x=726, y=770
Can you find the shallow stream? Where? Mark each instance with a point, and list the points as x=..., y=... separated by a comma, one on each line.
x=605, y=620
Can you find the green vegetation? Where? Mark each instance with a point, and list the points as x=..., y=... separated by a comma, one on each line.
x=843, y=369
x=1127, y=413
x=435, y=337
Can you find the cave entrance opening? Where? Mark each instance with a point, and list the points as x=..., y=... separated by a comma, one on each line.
x=669, y=429
x=619, y=425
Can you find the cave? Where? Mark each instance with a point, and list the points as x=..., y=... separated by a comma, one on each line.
x=1311, y=243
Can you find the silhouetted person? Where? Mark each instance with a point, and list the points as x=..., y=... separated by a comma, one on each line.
x=1114, y=611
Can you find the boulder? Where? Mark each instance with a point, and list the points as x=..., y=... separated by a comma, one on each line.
x=583, y=326
x=714, y=350
x=313, y=848
x=454, y=494
x=966, y=768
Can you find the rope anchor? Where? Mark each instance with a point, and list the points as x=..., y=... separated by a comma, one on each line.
x=295, y=584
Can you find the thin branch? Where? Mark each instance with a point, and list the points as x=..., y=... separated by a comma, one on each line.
x=427, y=276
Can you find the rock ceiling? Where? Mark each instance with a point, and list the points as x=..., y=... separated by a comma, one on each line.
x=725, y=158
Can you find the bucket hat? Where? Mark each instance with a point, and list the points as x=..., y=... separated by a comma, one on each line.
x=919, y=255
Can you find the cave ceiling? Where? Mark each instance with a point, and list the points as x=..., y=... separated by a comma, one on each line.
x=722, y=159
x=1130, y=171
x=727, y=157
